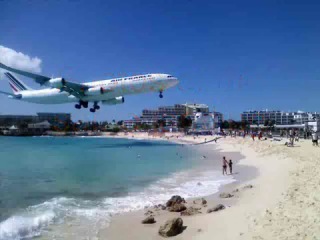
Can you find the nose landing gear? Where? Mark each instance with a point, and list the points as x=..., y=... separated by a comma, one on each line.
x=160, y=94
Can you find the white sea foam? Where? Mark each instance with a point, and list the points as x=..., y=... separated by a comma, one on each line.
x=88, y=216
x=21, y=227
x=204, y=184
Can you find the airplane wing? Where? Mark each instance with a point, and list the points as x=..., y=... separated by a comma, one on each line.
x=73, y=88
x=38, y=78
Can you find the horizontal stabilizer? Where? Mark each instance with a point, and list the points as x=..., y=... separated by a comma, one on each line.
x=6, y=93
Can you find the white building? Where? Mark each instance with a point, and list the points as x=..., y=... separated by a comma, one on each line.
x=193, y=108
x=203, y=122
x=278, y=117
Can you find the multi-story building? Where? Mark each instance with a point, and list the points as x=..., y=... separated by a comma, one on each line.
x=218, y=118
x=54, y=117
x=18, y=120
x=9, y=120
x=203, y=121
x=193, y=108
x=131, y=123
x=277, y=117
x=169, y=114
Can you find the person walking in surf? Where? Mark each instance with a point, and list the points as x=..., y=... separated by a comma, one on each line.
x=224, y=166
x=230, y=166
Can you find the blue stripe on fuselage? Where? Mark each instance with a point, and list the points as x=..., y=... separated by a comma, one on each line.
x=16, y=82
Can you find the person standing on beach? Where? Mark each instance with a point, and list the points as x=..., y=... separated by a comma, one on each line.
x=224, y=166
x=315, y=139
x=260, y=135
x=230, y=166
x=252, y=135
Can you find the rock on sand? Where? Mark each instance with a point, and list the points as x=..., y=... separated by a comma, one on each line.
x=178, y=207
x=190, y=211
x=148, y=220
x=171, y=227
x=226, y=195
x=174, y=200
x=216, y=208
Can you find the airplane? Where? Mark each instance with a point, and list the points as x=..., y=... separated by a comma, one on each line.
x=108, y=92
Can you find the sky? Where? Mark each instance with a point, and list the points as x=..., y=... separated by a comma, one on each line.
x=232, y=55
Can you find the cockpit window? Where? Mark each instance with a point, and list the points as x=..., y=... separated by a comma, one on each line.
x=170, y=76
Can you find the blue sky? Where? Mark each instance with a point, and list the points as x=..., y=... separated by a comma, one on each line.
x=232, y=55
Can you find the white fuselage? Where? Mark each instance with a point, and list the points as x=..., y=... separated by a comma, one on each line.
x=110, y=89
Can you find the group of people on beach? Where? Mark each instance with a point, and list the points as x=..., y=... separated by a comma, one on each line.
x=225, y=165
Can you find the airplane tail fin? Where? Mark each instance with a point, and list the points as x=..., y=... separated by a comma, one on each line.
x=16, y=84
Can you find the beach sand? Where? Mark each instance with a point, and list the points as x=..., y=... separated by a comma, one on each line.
x=283, y=203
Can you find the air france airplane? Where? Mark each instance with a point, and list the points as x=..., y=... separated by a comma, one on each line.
x=108, y=92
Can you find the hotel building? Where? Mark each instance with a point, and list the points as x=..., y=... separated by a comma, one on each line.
x=278, y=117
x=199, y=113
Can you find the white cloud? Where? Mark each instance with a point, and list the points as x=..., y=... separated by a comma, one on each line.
x=19, y=60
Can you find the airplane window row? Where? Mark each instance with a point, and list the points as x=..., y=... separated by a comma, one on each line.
x=130, y=78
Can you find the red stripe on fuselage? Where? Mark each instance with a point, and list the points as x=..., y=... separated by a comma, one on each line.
x=13, y=87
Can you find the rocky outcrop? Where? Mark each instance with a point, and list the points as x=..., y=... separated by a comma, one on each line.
x=149, y=212
x=216, y=208
x=248, y=186
x=174, y=200
x=148, y=220
x=226, y=195
x=171, y=228
x=190, y=211
x=178, y=207
x=159, y=207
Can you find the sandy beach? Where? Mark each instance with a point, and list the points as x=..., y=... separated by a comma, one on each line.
x=282, y=203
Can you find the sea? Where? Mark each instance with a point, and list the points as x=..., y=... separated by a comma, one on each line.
x=70, y=187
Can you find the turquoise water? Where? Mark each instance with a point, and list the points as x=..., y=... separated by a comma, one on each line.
x=50, y=182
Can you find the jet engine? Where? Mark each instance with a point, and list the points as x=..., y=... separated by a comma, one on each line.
x=56, y=82
x=114, y=101
x=94, y=91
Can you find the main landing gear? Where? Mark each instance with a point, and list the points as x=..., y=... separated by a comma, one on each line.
x=81, y=104
x=160, y=94
x=85, y=105
x=95, y=107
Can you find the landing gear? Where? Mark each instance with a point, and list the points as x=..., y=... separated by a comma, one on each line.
x=95, y=107
x=160, y=94
x=84, y=104
x=81, y=104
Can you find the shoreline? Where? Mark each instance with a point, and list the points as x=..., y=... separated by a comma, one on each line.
x=282, y=202
x=273, y=166
x=242, y=175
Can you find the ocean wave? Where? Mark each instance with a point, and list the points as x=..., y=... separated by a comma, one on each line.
x=23, y=227
x=96, y=214
x=183, y=183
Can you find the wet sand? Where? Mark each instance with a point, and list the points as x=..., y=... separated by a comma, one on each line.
x=283, y=203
